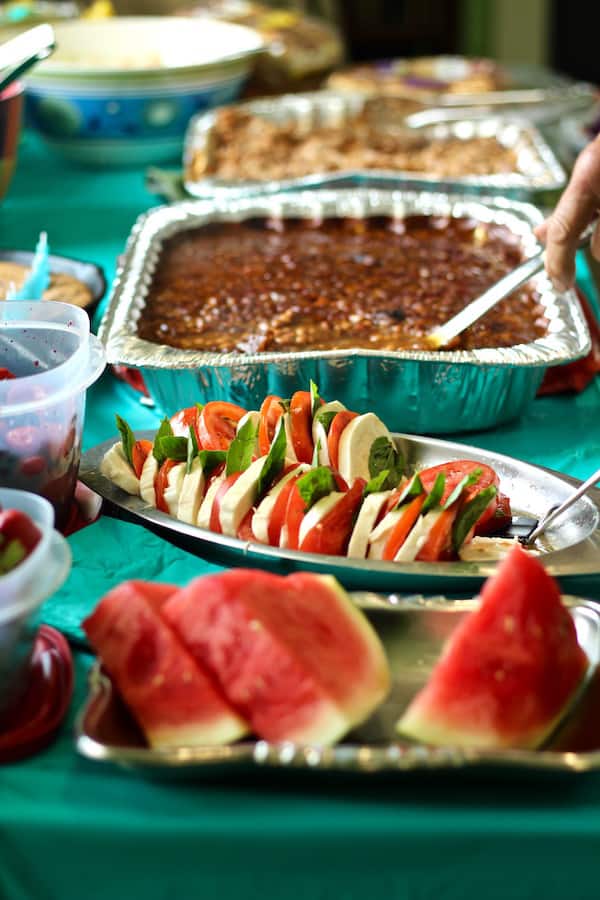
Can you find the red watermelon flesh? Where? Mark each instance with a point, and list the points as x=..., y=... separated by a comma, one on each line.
x=509, y=670
x=170, y=696
x=292, y=654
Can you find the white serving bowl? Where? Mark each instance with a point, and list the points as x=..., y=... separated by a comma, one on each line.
x=121, y=91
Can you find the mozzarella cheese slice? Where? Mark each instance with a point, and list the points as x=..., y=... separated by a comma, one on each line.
x=380, y=535
x=484, y=548
x=355, y=445
x=261, y=518
x=192, y=491
x=290, y=453
x=240, y=498
x=114, y=466
x=333, y=406
x=173, y=488
x=418, y=536
x=205, y=510
x=148, y=474
x=321, y=443
x=370, y=509
x=317, y=512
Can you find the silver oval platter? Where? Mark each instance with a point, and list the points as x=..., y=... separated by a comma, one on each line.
x=413, y=632
x=571, y=548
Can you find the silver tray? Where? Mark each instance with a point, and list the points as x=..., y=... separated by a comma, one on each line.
x=573, y=541
x=413, y=632
x=538, y=168
x=476, y=389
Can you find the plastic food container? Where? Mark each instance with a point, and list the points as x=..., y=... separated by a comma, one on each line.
x=23, y=590
x=54, y=358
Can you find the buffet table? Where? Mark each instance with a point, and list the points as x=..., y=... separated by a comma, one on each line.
x=72, y=828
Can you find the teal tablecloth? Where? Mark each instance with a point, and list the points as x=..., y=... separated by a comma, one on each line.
x=70, y=828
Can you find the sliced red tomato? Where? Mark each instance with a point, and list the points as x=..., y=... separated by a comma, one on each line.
x=294, y=513
x=454, y=472
x=499, y=520
x=140, y=452
x=183, y=420
x=332, y=533
x=403, y=526
x=270, y=413
x=217, y=424
x=161, y=483
x=338, y=423
x=6, y=374
x=215, y=513
x=245, y=532
x=277, y=517
x=301, y=425
x=438, y=545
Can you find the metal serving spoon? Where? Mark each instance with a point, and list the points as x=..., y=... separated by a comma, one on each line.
x=442, y=335
x=20, y=53
x=556, y=511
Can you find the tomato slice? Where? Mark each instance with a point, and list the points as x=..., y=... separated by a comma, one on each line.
x=140, y=452
x=301, y=425
x=438, y=545
x=217, y=424
x=454, y=473
x=332, y=533
x=338, y=423
x=182, y=420
x=277, y=517
x=245, y=532
x=161, y=483
x=294, y=513
x=403, y=526
x=499, y=520
x=215, y=513
x=270, y=413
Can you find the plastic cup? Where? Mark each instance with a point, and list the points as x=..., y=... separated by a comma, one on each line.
x=23, y=590
x=48, y=347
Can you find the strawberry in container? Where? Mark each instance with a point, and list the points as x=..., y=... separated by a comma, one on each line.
x=48, y=359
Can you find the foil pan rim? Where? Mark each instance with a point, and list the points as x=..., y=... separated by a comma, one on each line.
x=568, y=340
x=551, y=176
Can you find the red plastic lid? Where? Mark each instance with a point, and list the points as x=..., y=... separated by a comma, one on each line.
x=47, y=698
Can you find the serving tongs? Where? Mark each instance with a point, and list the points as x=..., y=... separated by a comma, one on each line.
x=23, y=51
x=442, y=335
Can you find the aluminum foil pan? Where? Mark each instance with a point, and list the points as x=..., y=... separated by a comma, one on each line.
x=538, y=168
x=416, y=391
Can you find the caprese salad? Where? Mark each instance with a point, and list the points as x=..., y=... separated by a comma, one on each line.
x=313, y=476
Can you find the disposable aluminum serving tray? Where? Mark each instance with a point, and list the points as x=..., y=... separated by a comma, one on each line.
x=538, y=169
x=416, y=391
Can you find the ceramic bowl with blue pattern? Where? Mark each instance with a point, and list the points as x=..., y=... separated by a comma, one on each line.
x=122, y=91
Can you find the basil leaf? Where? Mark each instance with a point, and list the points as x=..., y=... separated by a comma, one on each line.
x=414, y=488
x=192, y=450
x=241, y=449
x=315, y=398
x=199, y=407
x=274, y=461
x=385, y=481
x=315, y=484
x=165, y=430
x=127, y=439
x=472, y=478
x=175, y=448
x=210, y=459
x=383, y=455
x=285, y=405
x=435, y=494
x=469, y=515
x=326, y=418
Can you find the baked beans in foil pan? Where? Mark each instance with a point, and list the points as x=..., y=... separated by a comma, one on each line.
x=323, y=139
x=412, y=390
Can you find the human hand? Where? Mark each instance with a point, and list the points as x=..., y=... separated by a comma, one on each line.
x=576, y=208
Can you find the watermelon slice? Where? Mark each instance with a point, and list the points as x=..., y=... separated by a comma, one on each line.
x=292, y=654
x=170, y=696
x=509, y=670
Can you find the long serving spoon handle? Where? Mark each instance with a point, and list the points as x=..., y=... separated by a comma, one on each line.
x=441, y=336
x=566, y=504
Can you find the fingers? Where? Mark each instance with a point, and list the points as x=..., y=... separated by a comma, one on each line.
x=575, y=210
